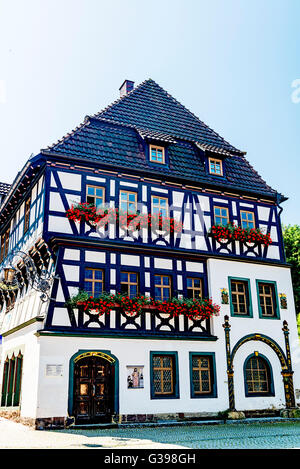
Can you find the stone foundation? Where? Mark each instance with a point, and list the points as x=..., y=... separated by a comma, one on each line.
x=14, y=415
x=52, y=423
x=158, y=418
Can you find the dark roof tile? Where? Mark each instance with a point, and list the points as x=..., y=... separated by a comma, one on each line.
x=115, y=136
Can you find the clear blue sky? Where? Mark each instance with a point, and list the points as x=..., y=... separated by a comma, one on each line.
x=231, y=62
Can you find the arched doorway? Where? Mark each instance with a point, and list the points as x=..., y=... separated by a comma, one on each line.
x=93, y=388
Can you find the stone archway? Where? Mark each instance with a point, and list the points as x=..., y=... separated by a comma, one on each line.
x=284, y=359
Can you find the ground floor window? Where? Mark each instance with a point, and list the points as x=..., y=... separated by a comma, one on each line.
x=164, y=375
x=258, y=376
x=11, y=383
x=202, y=372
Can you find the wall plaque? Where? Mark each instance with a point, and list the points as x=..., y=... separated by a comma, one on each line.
x=54, y=370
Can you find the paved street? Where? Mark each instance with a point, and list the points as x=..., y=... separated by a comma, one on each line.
x=258, y=435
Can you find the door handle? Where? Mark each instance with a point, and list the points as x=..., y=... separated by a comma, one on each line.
x=94, y=390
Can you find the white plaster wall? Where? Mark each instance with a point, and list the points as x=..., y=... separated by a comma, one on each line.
x=53, y=391
x=218, y=273
x=26, y=307
x=25, y=340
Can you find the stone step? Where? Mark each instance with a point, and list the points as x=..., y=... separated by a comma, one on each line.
x=262, y=413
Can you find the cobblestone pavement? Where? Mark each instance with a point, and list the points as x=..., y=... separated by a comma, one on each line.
x=256, y=436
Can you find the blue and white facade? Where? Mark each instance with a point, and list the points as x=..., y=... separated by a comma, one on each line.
x=51, y=338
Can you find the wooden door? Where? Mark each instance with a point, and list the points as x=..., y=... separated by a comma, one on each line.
x=93, y=390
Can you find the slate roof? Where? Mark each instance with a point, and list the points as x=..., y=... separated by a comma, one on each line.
x=116, y=136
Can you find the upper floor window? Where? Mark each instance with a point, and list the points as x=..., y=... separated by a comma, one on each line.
x=240, y=297
x=129, y=284
x=26, y=215
x=128, y=201
x=267, y=296
x=162, y=285
x=160, y=205
x=95, y=195
x=247, y=219
x=4, y=244
x=93, y=281
x=157, y=154
x=221, y=215
x=10, y=301
x=194, y=287
x=215, y=166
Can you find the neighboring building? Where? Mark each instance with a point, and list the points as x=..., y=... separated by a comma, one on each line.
x=4, y=189
x=145, y=152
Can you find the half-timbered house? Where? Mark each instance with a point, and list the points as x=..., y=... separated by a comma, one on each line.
x=72, y=351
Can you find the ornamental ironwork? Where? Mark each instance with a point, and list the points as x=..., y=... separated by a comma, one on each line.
x=20, y=269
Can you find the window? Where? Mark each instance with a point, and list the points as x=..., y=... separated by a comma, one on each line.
x=95, y=195
x=267, y=300
x=221, y=216
x=157, y=154
x=93, y=281
x=258, y=376
x=203, y=380
x=10, y=301
x=240, y=297
x=26, y=215
x=11, y=384
x=194, y=287
x=129, y=284
x=162, y=285
x=160, y=205
x=215, y=167
x=128, y=201
x=247, y=219
x=2, y=247
x=4, y=244
x=163, y=375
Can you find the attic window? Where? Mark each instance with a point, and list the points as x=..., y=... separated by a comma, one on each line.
x=215, y=167
x=157, y=154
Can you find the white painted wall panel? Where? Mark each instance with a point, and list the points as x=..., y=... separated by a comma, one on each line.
x=163, y=263
x=71, y=181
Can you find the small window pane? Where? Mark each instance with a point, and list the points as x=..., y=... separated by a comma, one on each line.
x=88, y=273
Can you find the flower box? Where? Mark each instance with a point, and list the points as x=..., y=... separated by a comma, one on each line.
x=196, y=309
x=102, y=217
x=249, y=236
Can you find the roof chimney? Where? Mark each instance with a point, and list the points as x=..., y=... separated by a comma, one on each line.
x=126, y=87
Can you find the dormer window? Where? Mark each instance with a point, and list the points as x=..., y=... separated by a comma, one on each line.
x=157, y=154
x=215, y=167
